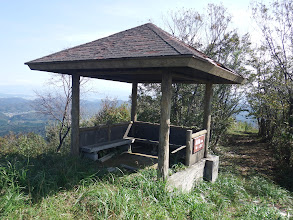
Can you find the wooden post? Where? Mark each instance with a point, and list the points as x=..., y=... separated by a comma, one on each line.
x=188, y=147
x=75, y=116
x=163, y=159
x=134, y=102
x=207, y=115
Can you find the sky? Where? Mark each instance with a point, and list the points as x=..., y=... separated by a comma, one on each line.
x=32, y=29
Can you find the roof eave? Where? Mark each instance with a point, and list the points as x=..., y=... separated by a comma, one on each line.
x=216, y=70
x=141, y=63
x=119, y=63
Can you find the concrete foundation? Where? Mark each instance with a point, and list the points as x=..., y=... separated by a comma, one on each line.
x=211, y=169
x=185, y=180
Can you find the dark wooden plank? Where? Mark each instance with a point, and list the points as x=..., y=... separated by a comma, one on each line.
x=141, y=140
x=134, y=102
x=102, y=126
x=150, y=131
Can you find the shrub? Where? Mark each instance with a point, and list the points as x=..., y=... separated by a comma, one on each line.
x=112, y=113
x=27, y=145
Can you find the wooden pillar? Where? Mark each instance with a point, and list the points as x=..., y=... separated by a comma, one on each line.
x=163, y=159
x=188, y=147
x=134, y=102
x=75, y=116
x=207, y=114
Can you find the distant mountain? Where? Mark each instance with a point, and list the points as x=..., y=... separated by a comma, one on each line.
x=13, y=105
x=18, y=114
x=13, y=95
x=90, y=108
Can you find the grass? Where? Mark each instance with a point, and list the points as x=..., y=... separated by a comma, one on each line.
x=47, y=185
x=242, y=128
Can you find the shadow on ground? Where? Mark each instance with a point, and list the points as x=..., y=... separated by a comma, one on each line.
x=248, y=155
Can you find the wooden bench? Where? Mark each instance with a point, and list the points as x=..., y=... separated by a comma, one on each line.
x=105, y=145
x=91, y=151
x=103, y=137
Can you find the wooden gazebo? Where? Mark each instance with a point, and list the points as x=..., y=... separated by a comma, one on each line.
x=144, y=54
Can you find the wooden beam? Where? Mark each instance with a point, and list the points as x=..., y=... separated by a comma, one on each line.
x=199, y=133
x=163, y=161
x=121, y=63
x=178, y=149
x=75, y=115
x=134, y=102
x=207, y=115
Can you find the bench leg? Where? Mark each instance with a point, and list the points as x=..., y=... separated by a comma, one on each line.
x=93, y=156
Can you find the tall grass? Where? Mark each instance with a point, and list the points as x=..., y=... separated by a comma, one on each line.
x=47, y=185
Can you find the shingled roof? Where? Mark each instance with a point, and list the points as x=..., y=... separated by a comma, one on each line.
x=146, y=49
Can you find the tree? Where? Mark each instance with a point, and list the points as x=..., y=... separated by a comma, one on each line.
x=56, y=104
x=209, y=32
x=271, y=96
x=111, y=113
x=276, y=26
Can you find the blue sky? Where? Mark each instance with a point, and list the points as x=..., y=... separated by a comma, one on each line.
x=32, y=29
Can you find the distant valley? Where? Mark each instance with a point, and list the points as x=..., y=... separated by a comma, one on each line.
x=18, y=115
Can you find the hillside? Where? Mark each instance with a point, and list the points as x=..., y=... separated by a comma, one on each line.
x=15, y=105
x=45, y=185
x=18, y=115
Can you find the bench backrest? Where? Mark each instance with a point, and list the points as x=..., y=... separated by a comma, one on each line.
x=151, y=131
x=101, y=133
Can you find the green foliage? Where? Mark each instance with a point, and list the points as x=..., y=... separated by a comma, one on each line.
x=27, y=145
x=148, y=103
x=271, y=90
x=111, y=113
x=222, y=44
x=53, y=137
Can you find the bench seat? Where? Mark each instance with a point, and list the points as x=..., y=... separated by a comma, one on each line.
x=105, y=145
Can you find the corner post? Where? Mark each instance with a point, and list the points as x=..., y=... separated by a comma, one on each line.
x=207, y=115
x=188, y=147
x=75, y=115
x=134, y=102
x=163, y=159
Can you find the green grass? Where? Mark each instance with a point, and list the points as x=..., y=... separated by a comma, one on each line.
x=47, y=185
x=242, y=128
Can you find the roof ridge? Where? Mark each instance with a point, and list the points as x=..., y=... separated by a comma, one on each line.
x=188, y=48
x=150, y=24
